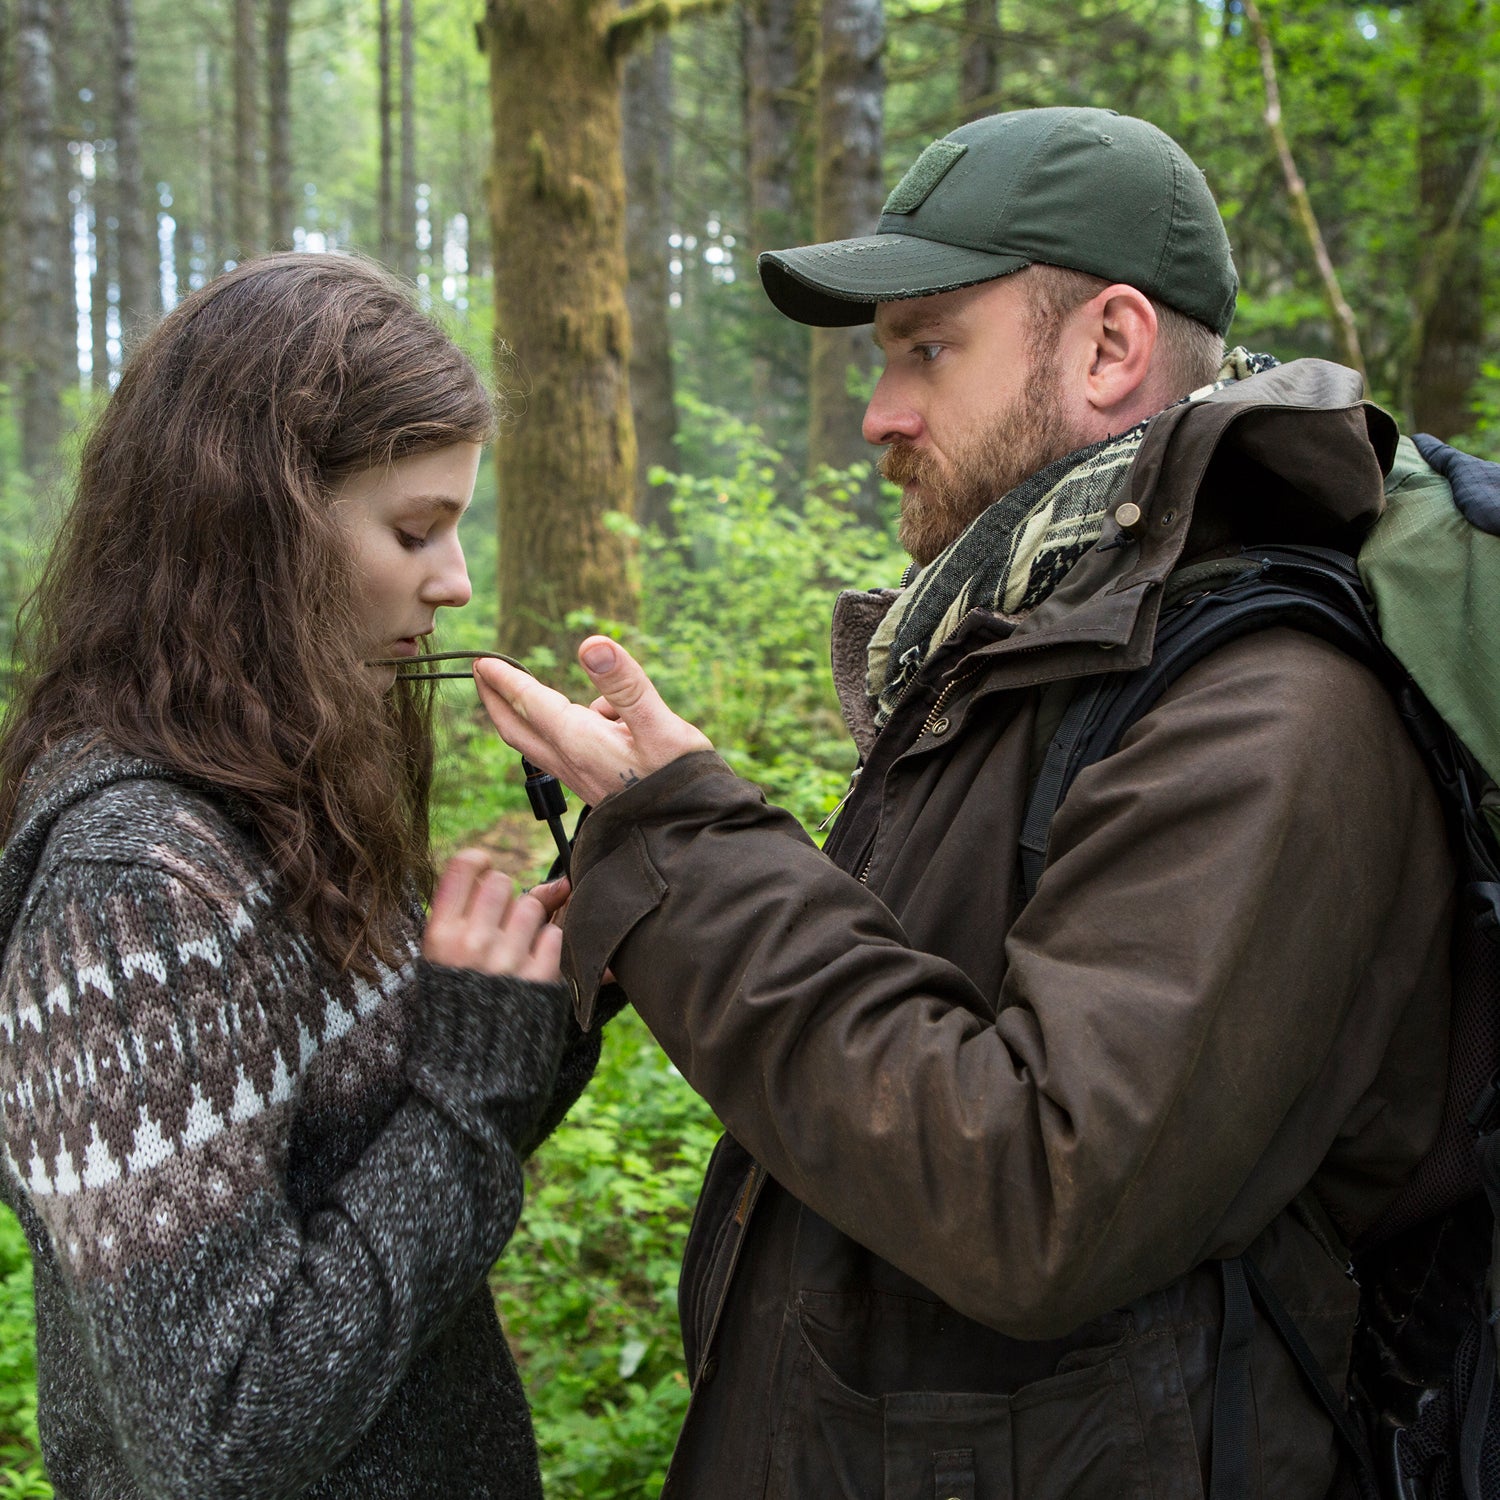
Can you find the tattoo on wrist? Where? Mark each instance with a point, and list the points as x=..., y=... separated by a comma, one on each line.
x=629, y=777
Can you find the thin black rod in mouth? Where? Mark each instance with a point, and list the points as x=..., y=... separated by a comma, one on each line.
x=426, y=658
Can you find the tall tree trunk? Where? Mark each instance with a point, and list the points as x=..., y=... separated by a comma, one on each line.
x=279, y=198
x=850, y=191
x=48, y=341
x=407, y=219
x=244, y=190
x=67, y=130
x=387, y=199
x=1192, y=42
x=9, y=257
x=979, y=79
x=775, y=124
x=557, y=206
x=1454, y=145
x=647, y=118
x=101, y=195
x=138, y=287
x=215, y=201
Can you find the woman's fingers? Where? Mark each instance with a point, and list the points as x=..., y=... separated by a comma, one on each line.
x=544, y=961
x=491, y=900
x=456, y=885
x=476, y=923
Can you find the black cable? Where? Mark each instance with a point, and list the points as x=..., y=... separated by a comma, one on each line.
x=549, y=803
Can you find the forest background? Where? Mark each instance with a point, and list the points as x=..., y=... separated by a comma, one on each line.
x=579, y=188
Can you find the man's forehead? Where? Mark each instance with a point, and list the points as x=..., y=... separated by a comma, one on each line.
x=910, y=317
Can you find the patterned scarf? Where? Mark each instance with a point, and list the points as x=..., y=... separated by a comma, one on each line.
x=1016, y=552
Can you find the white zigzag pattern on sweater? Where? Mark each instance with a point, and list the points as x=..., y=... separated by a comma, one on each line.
x=151, y=1146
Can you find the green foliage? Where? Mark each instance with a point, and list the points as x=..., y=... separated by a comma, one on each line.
x=21, y=1474
x=587, y=1288
x=20, y=525
x=478, y=777
x=1483, y=438
x=735, y=607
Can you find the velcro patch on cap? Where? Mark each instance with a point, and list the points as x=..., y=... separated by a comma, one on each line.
x=923, y=175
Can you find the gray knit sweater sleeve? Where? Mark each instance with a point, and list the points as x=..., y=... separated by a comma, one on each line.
x=157, y=1041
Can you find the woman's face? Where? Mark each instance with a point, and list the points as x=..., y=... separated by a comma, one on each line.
x=402, y=522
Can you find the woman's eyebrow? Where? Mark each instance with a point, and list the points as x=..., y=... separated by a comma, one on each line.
x=444, y=503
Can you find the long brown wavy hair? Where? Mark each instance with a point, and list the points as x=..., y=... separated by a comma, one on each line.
x=197, y=605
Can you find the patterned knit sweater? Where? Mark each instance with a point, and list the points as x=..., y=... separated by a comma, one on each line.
x=261, y=1195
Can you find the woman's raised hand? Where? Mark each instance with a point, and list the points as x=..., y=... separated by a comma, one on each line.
x=476, y=922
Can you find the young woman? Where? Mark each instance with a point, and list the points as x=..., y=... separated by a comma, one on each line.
x=262, y=1124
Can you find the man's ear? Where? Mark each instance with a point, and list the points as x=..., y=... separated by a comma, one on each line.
x=1119, y=324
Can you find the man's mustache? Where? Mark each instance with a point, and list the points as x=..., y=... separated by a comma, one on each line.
x=904, y=463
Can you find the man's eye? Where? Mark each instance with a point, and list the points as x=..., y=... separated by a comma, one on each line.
x=926, y=353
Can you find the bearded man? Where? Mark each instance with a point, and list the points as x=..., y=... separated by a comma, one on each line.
x=986, y=1155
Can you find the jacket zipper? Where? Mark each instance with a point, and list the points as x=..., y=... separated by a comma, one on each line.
x=933, y=715
x=749, y=1195
x=838, y=806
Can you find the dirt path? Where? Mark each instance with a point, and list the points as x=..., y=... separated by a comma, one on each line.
x=521, y=846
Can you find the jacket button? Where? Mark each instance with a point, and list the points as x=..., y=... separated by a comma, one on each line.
x=940, y=726
x=709, y=1370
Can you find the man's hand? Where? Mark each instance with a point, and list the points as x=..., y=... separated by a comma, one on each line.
x=621, y=737
x=476, y=923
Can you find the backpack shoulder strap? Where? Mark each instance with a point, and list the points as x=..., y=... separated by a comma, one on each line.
x=1307, y=588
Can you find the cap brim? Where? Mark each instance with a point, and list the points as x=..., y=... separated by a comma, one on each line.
x=837, y=285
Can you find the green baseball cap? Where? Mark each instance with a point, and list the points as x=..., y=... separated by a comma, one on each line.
x=1088, y=189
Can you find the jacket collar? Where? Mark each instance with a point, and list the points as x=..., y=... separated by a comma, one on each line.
x=1292, y=454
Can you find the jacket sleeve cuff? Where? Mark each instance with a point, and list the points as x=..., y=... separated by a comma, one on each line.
x=617, y=892
x=615, y=884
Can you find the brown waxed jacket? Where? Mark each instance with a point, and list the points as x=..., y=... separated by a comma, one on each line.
x=954, y=1243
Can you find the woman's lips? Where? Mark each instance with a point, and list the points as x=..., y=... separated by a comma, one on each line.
x=405, y=647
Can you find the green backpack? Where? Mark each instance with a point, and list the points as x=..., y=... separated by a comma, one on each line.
x=1432, y=568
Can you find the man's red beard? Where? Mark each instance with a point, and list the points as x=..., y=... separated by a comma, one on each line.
x=939, y=502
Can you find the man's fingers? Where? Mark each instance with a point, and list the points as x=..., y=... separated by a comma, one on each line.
x=657, y=735
x=621, y=680
x=525, y=711
x=553, y=894
x=631, y=734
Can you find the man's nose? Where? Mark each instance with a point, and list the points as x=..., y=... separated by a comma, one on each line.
x=888, y=417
